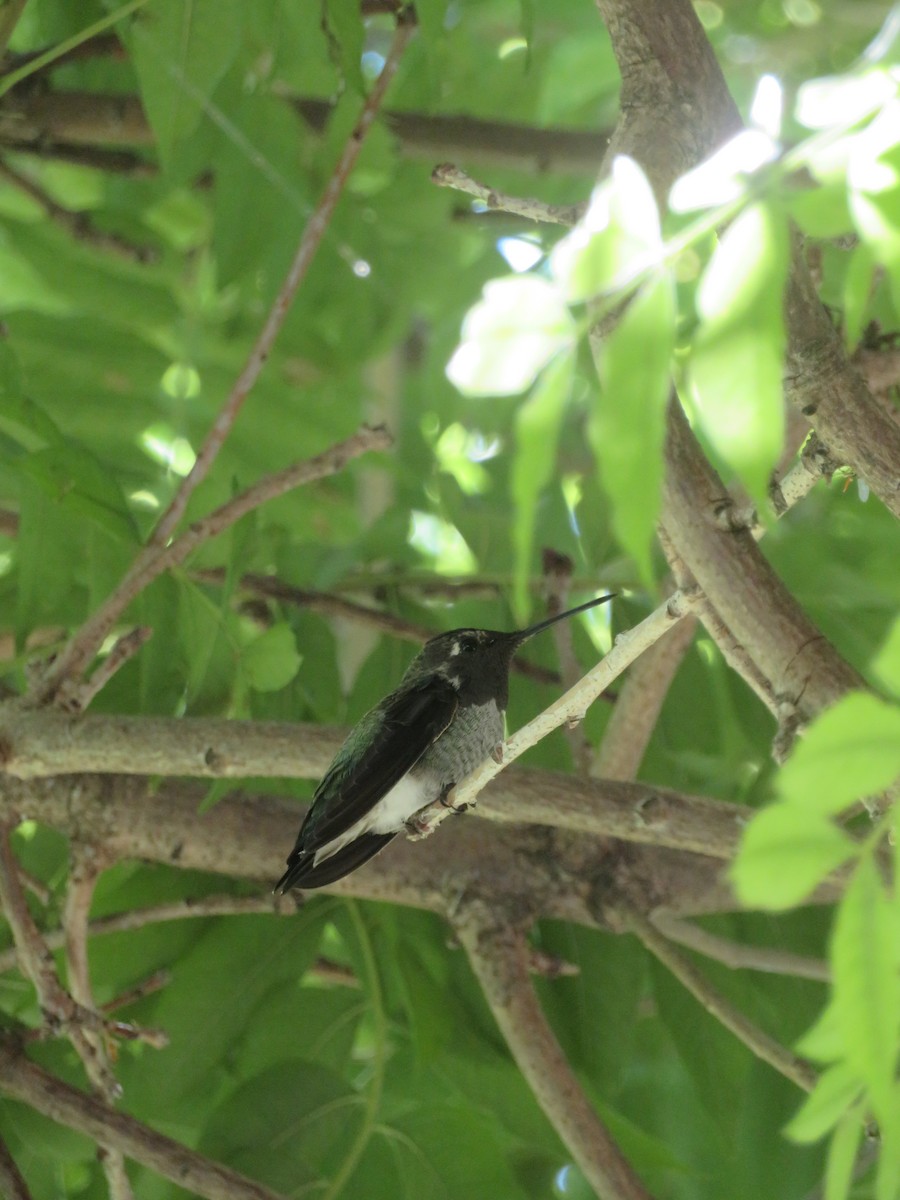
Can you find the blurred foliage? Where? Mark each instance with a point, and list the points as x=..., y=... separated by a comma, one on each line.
x=113, y=365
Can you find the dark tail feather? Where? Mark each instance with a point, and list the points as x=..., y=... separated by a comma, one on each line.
x=303, y=874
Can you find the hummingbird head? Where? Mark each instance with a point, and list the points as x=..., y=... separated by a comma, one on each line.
x=476, y=661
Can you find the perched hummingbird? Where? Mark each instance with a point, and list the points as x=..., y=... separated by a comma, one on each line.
x=444, y=719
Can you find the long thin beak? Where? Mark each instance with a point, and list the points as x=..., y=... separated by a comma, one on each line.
x=522, y=635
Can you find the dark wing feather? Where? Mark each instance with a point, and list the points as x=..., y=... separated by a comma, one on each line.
x=304, y=873
x=387, y=743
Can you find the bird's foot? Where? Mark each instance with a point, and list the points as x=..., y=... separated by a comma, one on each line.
x=497, y=753
x=424, y=822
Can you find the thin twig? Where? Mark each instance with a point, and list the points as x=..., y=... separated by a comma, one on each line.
x=309, y=244
x=636, y=711
x=72, y=662
x=498, y=954
x=450, y=176
x=77, y=225
x=28, y=1083
x=153, y=983
x=755, y=1039
x=37, y=965
x=68, y=666
x=329, y=604
x=178, y=910
x=12, y=1182
x=739, y=956
x=55, y=53
x=124, y=650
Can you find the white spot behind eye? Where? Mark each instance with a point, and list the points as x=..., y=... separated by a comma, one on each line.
x=455, y=650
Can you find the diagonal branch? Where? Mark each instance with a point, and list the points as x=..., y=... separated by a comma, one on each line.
x=763, y=1046
x=74, y=659
x=306, y=251
x=448, y=175
x=24, y=1081
x=79, y=894
x=636, y=711
x=658, y=87
x=37, y=965
x=738, y=956
x=498, y=955
x=802, y=668
x=12, y=1183
x=66, y=669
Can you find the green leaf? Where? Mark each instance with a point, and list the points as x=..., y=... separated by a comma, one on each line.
x=824, y=1041
x=346, y=33
x=735, y=367
x=864, y=957
x=537, y=432
x=618, y=236
x=287, y=1126
x=74, y=478
x=857, y=294
x=886, y=664
x=842, y=1156
x=627, y=426
x=852, y=750
x=431, y=15
x=835, y=1094
x=181, y=49
x=271, y=661
x=822, y=211
x=786, y=851
x=509, y=336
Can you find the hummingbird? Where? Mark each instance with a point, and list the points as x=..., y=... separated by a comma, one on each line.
x=445, y=717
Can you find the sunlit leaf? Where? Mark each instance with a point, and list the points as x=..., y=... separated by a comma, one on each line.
x=864, y=957
x=271, y=660
x=510, y=335
x=833, y=1096
x=842, y=1156
x=851, y=751
x=618, y=236
x=786, y=851
x=736, y=364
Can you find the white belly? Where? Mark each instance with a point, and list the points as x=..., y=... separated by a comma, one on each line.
x=389, y=815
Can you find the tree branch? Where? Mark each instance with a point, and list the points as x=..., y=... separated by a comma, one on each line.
x=24, y=1081
x=498, y=956
x=76, y=224
x=61, y=678
x=739, y=956
x=247, y=837
x=658, y=87
x=37, y=965
x=72, y=662
x=764, y=1047
x=448, y=175
x=12, y=1184
x=330, y=604
x=640, y=702
x=179, y=910
x=803, y=669
x=46, y=743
